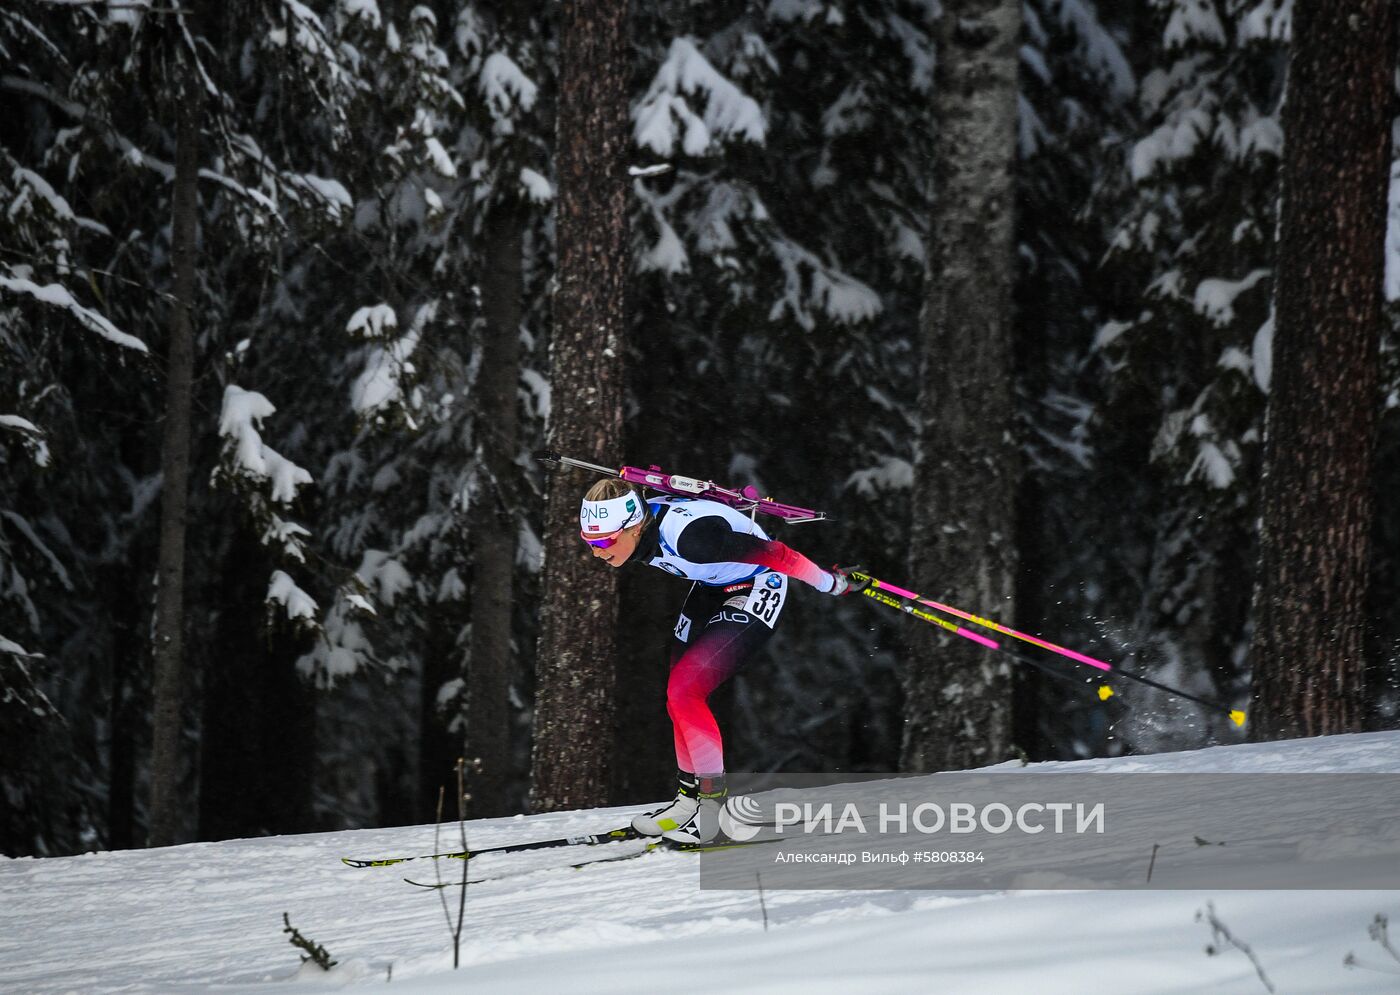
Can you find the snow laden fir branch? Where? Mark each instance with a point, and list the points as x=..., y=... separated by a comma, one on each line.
x=384, y=398
x=268, y=484
x=693, y=111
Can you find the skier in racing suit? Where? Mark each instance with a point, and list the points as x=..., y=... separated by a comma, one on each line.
x=740, y=583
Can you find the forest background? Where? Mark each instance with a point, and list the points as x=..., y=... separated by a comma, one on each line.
x=363, y=264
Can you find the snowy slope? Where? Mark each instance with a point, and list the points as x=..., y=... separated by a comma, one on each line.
x=208, y=916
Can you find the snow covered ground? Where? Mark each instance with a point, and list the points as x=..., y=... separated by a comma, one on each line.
x=208, y=917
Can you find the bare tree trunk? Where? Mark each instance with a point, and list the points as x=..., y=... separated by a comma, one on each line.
x=576, y=669
x=494, y=522
x=167, y=762
x=1307, y=658
x=957, y=710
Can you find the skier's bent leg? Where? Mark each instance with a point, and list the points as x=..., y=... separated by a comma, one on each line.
x=706, y=655
x=714, y=658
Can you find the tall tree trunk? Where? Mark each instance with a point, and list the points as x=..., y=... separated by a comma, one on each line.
x=494, y=522
x=1308, y=653
x=957, y=710
x=167, y=761
x=255, y=719
x=649, y=607
x=576, y=669
x=440, y=738
x=124, y=712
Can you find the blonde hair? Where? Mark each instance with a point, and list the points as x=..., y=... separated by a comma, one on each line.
x=615, y=487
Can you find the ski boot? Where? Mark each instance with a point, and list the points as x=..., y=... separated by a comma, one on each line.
x=693, y=817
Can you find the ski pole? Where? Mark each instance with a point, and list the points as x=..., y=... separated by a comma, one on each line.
x=1103, y=690
x=1236, y=716
x=985, y=623
x=908, y=609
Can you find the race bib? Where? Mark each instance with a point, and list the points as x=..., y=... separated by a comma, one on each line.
x=766, y=600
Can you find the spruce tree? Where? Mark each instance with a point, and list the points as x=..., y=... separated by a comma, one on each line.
x=1308, y=655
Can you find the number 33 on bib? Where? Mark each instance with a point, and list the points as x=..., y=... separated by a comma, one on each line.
x=766, y=599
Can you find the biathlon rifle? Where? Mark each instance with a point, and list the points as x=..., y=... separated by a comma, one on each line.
x=746, y=500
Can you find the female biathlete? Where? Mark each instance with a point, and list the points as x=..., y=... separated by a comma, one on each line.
x=740, y=583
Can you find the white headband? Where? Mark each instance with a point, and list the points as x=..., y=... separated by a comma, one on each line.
x=612, y=515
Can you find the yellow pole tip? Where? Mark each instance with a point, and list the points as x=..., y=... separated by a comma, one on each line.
x=1105, y=692
x=1237, y=717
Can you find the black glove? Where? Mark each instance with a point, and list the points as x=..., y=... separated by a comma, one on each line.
x=845, y=583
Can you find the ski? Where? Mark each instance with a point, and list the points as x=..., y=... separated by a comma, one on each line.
x=653, y=847
x=577, y=866
x=595, y=839
x=724, y=844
